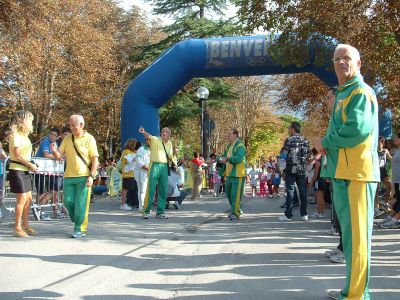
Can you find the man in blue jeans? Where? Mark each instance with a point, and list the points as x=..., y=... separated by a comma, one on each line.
x=298, y=148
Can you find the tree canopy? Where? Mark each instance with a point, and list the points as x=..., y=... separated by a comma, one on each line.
x=373, y=27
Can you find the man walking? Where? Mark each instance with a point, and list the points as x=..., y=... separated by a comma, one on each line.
x=235, y=171
x=352, y=162
x=298, y=148
x=160, y=155
x=81, y=154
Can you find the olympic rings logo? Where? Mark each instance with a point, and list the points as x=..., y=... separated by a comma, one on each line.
x=256, y=61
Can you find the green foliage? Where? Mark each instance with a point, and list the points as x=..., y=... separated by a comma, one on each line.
x=184, y=7
x=190, y=22
x=263, y=139
x=370, y=26
x=288, y=119
x=186, y=105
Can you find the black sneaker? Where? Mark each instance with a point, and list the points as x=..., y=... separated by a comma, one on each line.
x=176, y=205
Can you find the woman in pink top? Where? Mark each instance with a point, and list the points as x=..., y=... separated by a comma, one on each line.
x=263, y=182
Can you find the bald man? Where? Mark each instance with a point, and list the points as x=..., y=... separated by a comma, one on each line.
x=351, y=144
x=80, y=151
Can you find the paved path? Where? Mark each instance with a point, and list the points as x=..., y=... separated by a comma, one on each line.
x=196, y=254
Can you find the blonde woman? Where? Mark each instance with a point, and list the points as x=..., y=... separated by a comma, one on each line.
x=18, y=176
x=129, y=185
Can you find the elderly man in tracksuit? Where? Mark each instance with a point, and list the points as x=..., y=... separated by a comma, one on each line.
x=235, y=172
x=351, y=144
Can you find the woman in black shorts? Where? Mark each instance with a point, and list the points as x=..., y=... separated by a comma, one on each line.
x=20, y=165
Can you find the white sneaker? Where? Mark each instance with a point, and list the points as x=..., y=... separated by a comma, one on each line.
x=270, y=196
x=44, y=216
x=284, y=219
x=331, y=253
x=385, y=220
x=338, y=258
x=125, y=207
x=304, y=218
x=318, y=215
x=332, y=231
x=334, y=295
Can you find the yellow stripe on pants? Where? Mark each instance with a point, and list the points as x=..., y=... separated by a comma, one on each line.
x=86, y=220
x=239, y=193
x=359, y=232
x=146, y=197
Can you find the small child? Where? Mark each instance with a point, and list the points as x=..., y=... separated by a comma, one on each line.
x=263, y=182
x=253, y=174
x=269, y=182
x=276, y=181
x=217, y=182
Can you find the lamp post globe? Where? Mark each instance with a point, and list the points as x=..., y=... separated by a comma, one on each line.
x=202, y=92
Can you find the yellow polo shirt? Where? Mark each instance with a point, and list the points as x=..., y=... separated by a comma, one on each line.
x=124, y=162
x=21, y=141
x=157, y=152
x=86, y=145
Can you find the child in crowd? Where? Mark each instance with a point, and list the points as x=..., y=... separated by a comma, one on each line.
x=276, y=181
x=253, y=174
x=263, y=182
x=217, y=182
x=269, y=182
x=310, y=168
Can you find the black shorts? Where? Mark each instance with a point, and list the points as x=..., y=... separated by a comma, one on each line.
x=384, y=173
x=45, y=183
x=320, y=184
x=129, y=183
x=20, y=181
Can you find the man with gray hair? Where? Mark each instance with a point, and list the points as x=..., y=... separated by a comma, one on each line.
x=350, y=145
x=80, y=151
x=160, y=156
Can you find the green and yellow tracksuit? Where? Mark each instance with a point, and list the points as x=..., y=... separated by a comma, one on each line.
x=351, y=162
x=158, y=174
x=235, y=172
x=76, y=192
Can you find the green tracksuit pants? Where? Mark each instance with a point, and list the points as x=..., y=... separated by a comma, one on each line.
x=77, y=201
x=158, y=175
x=234, y=187
x=354, y=204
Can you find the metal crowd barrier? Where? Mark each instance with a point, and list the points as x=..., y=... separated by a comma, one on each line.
x=46, y=190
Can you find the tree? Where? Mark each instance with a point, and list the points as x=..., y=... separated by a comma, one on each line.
x=253, y=114
x=191, y=20
x=69, y=56
x=373, y=27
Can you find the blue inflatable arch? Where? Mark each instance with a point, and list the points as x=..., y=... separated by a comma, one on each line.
x=213, y=57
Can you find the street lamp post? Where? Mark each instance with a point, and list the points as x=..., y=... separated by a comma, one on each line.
x=202, y=95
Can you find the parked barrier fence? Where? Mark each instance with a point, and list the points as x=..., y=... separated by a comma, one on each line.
x=47, y=190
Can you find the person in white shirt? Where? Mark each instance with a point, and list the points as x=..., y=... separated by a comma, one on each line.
x=141, y=171
x=175, y=185
x=253, y=176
